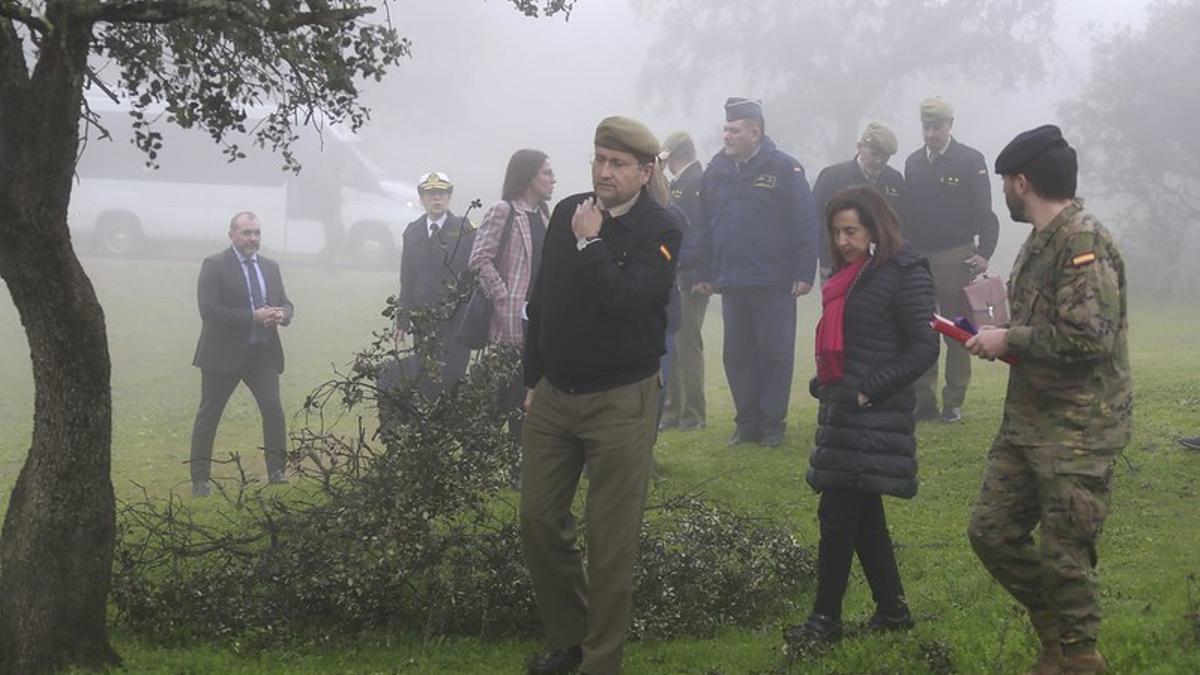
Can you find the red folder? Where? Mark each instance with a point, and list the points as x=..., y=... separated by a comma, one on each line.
x=947, y=327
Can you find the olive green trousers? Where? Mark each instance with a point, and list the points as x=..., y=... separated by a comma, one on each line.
x=612, y=432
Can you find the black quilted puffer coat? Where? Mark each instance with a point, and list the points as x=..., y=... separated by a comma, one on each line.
x=889, y=344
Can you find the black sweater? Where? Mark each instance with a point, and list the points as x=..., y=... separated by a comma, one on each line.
x=598, y=317
x=889, y=344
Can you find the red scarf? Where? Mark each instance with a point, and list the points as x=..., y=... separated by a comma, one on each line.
x=831, y=334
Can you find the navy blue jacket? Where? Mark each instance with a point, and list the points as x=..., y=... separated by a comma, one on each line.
x=760, y=225
x=950, y=201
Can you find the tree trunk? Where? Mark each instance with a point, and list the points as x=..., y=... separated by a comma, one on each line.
x=57, y=542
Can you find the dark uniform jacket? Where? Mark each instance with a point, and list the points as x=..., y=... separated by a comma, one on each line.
x=838, y=177
x=685, y=193
x=224, y=300
x=427, y=264
x=598, y=317
x=889, y=344
x=950, y=201
x=759, y=220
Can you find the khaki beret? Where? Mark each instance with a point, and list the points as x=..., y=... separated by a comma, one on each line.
x=627, y=135
x=936, y=109
x=880, y=137
x=673, y=143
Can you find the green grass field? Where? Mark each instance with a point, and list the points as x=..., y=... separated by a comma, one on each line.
x=1149, y=549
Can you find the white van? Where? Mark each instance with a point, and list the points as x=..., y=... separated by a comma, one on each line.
x=120, y=205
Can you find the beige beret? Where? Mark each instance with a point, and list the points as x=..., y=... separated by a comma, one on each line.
x=880, y=137
x=627, y=135
x=936, y=109
x=674, y=140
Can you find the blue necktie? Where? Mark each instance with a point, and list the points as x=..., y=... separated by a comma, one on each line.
x=256, y=299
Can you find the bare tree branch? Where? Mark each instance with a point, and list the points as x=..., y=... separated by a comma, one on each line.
x=166, y=11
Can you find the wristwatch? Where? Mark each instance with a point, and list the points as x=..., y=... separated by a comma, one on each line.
x=583, y=242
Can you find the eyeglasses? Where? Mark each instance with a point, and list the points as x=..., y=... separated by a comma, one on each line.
x=615, y=164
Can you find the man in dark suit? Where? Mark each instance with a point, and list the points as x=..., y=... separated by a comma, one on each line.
x=242, y=304
x=436, y=249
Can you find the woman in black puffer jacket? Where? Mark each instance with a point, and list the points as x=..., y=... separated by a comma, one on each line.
x=873, y=342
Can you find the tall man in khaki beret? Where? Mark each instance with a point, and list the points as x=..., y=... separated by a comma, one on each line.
x=685, y=406
x=869, y=166
x=950, y=219
x=596, y=333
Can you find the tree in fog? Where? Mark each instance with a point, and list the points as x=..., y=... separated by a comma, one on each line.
x=195, y=63
x=1135, y=126
x=825, y=63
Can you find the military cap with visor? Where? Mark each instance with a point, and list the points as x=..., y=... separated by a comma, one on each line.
x=435, y=180
x=1028, y=146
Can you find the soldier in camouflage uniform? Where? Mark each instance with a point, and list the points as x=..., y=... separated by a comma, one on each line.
x=1067, y=415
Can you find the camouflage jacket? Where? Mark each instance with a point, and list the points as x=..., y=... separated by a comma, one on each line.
x=1069, y=330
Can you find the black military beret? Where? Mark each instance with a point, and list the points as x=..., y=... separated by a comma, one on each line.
x=742, y=109
x=1027, y=146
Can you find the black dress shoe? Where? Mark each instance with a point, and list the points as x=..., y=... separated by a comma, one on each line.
x=952, y=415
x=556, y=662
x=819, y=631
x=884, y=620
x=741, y=437
x=1191, y=442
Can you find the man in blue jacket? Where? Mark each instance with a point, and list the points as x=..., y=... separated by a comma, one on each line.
x=762, y=239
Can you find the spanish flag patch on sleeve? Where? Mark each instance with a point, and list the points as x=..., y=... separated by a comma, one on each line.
x=666, y=253
x=1083, y=259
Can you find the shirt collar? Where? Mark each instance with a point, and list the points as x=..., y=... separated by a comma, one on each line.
x=942, y=151
x=241, y=258
x=621, y=209
x=861, y=169
x=439, y=222
x=682, y=171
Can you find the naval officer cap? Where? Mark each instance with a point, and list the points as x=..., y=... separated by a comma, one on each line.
x=880, y=138
x=936, y=109
x=1028, y=146
x=434, y=180
x=737, y=108
x=627, y=135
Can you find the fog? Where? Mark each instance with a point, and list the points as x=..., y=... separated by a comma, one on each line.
x=483, y=81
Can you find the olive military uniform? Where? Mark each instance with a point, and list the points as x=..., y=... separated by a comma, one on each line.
x=596, y=333
x=949, y=205
x=1067, y=416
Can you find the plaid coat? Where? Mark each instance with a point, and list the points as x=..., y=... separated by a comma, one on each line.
x=505, y=275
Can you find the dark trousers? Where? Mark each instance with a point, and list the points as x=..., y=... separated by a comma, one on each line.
x=760, y=350
x=853, y=522
x=261, y=375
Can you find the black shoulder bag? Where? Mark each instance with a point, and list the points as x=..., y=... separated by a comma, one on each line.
x=477, y=319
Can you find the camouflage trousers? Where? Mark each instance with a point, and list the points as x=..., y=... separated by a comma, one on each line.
x=1068, y=491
